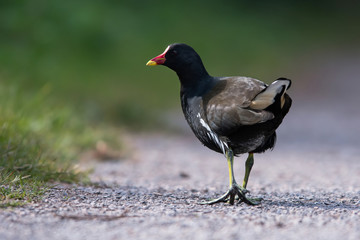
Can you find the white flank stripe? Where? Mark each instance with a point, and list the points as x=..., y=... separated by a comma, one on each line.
x=222, y=145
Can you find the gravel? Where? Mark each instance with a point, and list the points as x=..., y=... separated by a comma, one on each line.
x=309, y=193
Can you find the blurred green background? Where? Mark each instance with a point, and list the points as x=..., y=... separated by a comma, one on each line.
x=91, y=54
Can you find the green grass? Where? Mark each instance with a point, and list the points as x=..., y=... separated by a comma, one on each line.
x=17, y=191
x=40, y=142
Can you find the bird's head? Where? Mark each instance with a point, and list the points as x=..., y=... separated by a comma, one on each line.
x=179, y=57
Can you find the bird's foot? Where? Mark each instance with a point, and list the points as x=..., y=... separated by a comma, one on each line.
x=235, y=191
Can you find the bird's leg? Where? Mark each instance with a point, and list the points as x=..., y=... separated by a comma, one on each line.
x=234, y=189
x=248, y=166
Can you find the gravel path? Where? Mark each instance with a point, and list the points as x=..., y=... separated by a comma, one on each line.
x=310, y=191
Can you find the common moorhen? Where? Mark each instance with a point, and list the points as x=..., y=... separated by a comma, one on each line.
x=230, y=115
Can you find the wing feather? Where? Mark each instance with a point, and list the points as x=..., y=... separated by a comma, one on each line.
x=267, y=97
x=228, y=104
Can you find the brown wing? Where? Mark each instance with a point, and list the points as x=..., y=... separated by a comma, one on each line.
x=228, y=104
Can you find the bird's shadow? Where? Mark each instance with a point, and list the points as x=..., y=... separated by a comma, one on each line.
x=327, y=201
x=328, y=204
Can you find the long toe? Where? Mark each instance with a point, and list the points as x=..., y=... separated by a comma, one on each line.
x=242, y=196
x=235, y=192
x=252, y=201
x=223, y=198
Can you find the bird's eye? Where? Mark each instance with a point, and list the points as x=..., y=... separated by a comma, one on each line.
x=173, y=52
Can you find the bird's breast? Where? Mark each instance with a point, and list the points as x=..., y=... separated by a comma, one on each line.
x=196, y=118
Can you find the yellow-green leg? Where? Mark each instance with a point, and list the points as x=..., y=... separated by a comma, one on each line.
x=234, y=189
x=248, y=166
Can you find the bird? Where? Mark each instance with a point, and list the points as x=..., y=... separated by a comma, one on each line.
x=230, y=115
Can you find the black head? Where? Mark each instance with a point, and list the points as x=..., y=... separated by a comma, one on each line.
x=180, y=56
x=183, y=60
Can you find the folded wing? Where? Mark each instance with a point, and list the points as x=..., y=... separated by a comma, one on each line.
x=226, y=113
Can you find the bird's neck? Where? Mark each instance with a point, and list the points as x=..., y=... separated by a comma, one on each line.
x=197, y=86
x=194, y=78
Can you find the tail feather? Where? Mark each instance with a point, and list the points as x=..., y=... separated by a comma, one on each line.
x=272, y=94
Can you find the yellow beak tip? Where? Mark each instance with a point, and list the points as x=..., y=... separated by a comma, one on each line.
x=151, y=63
